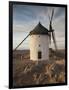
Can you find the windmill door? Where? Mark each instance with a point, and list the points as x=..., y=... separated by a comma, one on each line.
x=39, y=54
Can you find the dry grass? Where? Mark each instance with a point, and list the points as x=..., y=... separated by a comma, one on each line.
x=27, y=72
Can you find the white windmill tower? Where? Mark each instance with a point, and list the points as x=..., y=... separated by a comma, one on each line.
x=39, y=43
x=40, y=38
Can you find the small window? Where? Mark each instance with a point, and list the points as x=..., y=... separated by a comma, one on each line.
x=39, y=45
x=39, y=54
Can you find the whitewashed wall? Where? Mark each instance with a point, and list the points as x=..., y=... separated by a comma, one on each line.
x=35, y=41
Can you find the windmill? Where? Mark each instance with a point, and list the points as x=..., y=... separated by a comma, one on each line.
x=51, y=30
x=39, y=49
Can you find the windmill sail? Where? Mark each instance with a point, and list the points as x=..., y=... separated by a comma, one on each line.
x=21, y=42
x=52, y=16
x=50, y=25
x=51, y=31
x=54, y=40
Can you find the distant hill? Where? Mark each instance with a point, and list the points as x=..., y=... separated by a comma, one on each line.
x=25, y=54
x=21, y=51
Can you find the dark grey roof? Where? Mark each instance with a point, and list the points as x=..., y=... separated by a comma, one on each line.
x=39, y=29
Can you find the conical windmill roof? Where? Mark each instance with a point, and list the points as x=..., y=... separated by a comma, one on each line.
x=39, y=29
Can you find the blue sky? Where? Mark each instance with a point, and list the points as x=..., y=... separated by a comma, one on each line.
x=26, y=17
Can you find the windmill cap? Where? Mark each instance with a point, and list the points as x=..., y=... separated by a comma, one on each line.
x=39, y=29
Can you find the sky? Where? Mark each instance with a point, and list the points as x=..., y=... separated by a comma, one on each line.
x=26, y=17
